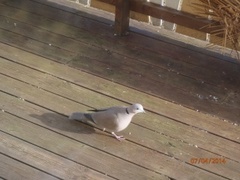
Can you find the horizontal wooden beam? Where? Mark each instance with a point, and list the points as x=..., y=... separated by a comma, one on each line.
x=168, y=14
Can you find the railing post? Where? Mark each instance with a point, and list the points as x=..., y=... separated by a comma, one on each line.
x=122, y=11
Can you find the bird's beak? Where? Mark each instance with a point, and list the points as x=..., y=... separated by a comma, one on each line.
x=143, y=111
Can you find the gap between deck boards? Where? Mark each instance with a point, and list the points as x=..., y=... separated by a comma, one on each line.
x=196, y=103
x=35, y=90
x=170, y=139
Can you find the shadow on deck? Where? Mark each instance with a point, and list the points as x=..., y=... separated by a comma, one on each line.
x=56, y=58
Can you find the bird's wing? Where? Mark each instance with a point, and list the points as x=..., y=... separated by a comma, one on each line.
x=112, y=119
x=109, y=118
x=106, y=109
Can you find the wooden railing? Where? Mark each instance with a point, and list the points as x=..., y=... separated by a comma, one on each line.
x=123, y=8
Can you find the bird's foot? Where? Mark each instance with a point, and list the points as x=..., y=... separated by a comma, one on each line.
x=120, y=138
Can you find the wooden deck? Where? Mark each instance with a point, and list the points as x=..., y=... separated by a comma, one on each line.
x=57, y=58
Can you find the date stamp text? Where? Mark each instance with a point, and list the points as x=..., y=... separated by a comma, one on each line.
x=208, y=160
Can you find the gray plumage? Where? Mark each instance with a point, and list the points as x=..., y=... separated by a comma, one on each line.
x=113, y=119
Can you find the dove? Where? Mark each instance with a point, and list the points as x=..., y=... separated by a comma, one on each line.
x=113, y=119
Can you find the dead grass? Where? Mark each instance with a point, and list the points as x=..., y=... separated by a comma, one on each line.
x=227, y=14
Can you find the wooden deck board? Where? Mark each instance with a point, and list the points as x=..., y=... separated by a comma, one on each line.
x=19, y=170
x=74, y=152
x=132, y=41
x=201, y=95
x=51, y=163
x=57, y=59
x=25, y=91
x=59, y=73
x=151, y=155
x=104, y=87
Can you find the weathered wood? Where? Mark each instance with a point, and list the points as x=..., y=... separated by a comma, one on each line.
x=52, y=52
x=157, y=53
x=184, y=85
x=51, y=11
x=38, y=80
x=60, y=125
x=217, y=73
x=169, y=14
x=73, y=92
x=71, y=151
x=40, y=158
x=14, y=169
x=119, y=60
x=149, y=137
x=182, y=151
x=184, y=115
x=122, y=12
x=135, y=100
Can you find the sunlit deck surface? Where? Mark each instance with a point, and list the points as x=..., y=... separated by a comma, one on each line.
x=56, y=59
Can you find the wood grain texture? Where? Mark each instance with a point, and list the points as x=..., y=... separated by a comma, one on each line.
x=49, y=162
x=155, y=104
x=11, y=168
x=203, y=96
x=128, y=151
x=122, y=13
x=56, y=58
x=168, y=14
x=149, y=139
x=73, y=152
x=103, y=29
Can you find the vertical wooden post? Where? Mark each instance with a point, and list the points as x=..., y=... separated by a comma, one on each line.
x=122, y=12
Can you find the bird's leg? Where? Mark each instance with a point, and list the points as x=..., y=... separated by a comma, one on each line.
x=120, y=138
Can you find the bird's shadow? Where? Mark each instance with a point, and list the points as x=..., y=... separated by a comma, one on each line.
x=61, y=122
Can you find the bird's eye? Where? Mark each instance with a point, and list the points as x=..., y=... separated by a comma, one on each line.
x=137, y=108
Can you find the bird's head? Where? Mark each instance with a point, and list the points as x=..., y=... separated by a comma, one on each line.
x=136, y=108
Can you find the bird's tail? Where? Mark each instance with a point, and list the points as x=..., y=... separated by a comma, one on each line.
x=83, y=117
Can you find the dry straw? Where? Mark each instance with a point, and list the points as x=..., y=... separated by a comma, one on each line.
x=226, y=14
